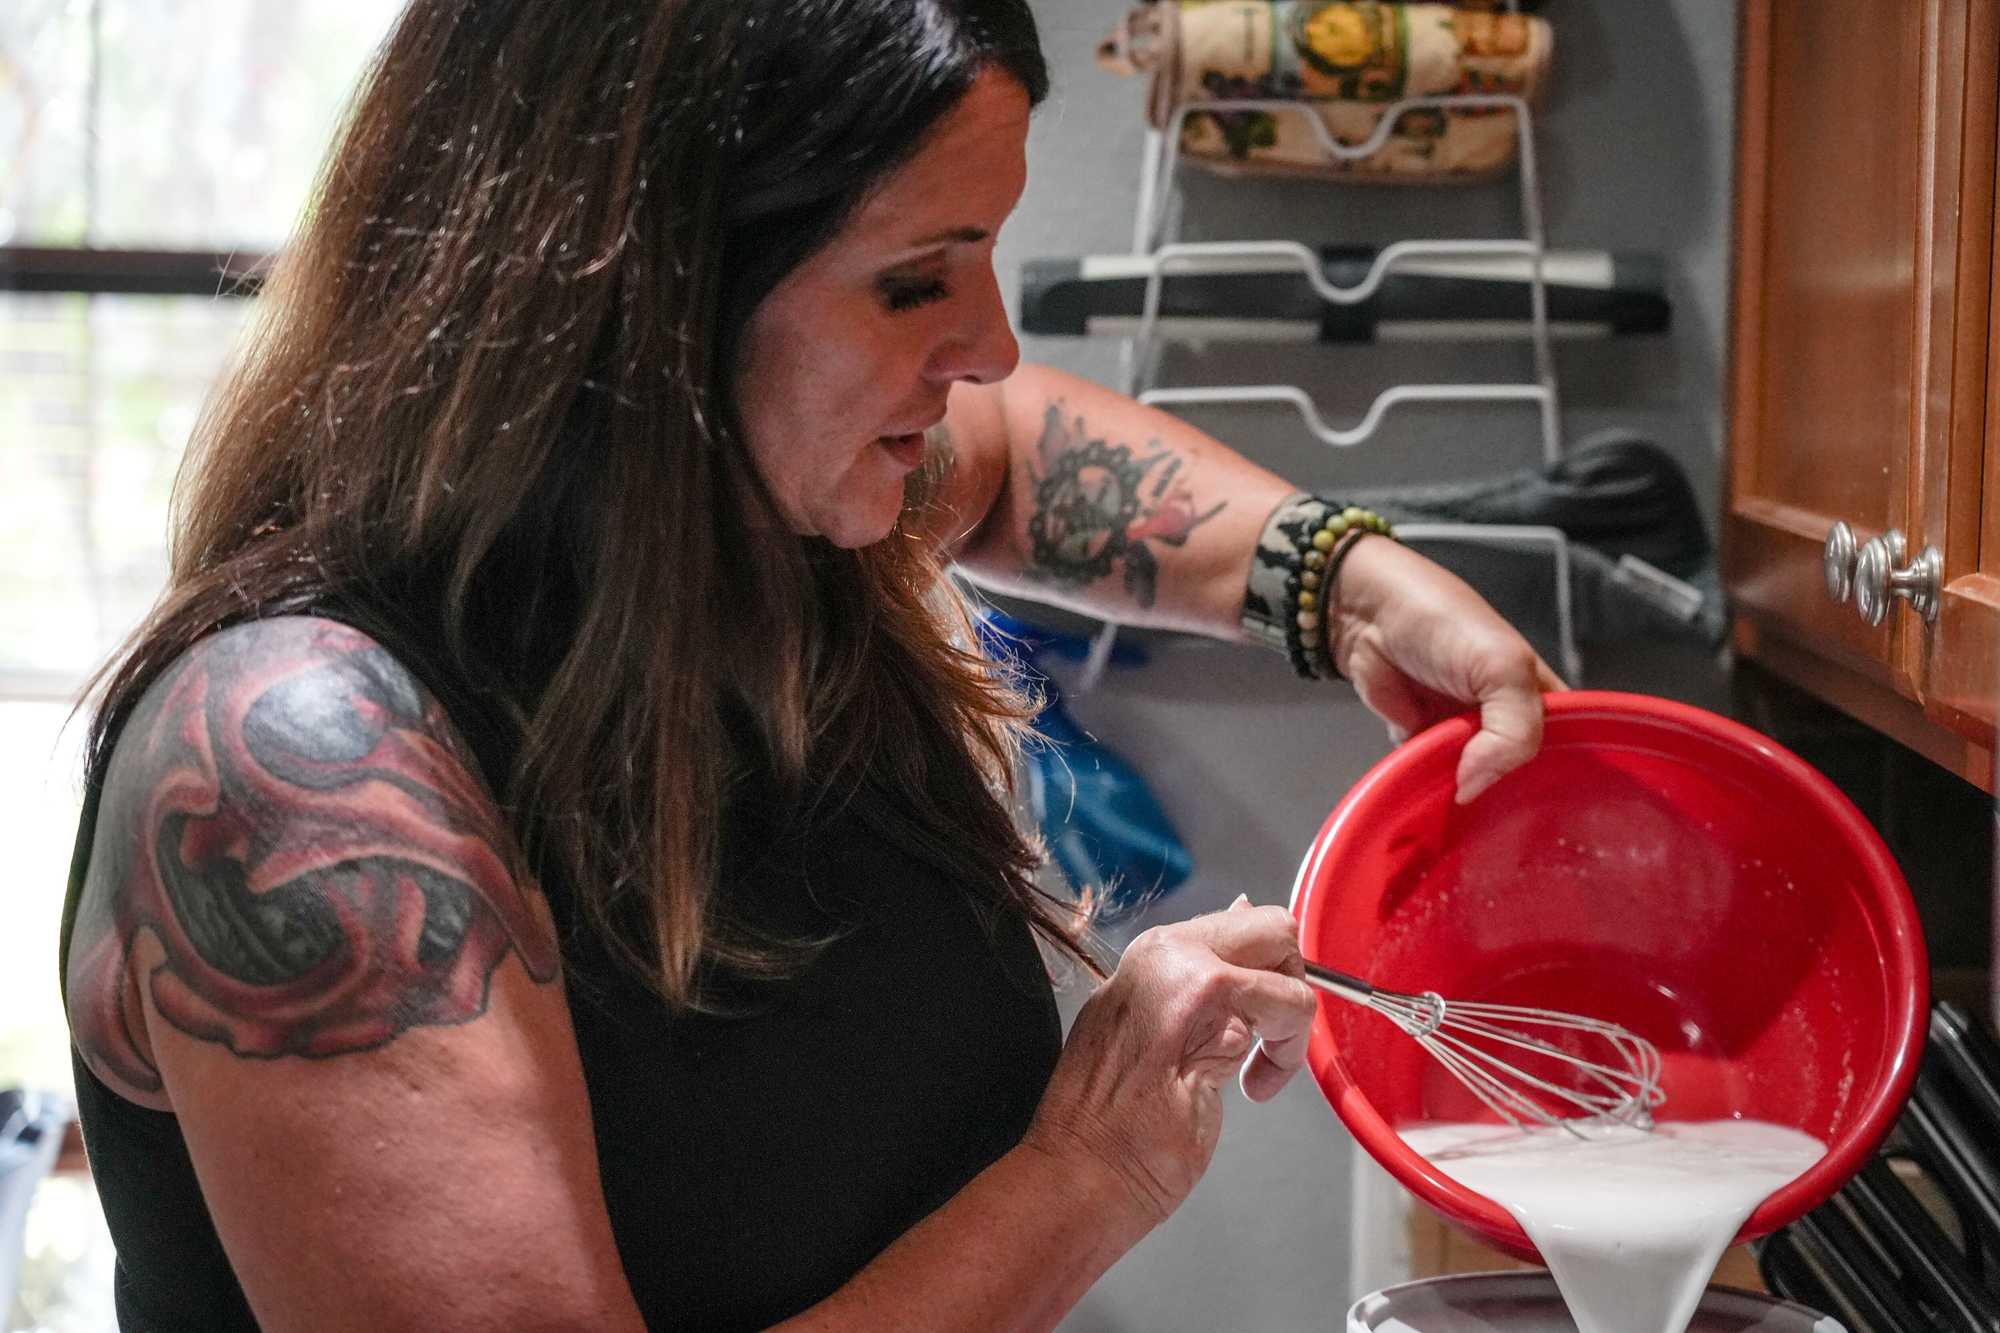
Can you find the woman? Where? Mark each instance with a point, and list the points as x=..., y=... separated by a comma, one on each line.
x=546, y=863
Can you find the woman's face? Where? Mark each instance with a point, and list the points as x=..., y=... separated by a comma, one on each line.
x=850, y=358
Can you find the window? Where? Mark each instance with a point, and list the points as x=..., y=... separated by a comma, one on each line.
x=128, y=128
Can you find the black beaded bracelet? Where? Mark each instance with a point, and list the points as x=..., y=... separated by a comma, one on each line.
x=1310, y=590
x=1292, y=577
x=1323, y=653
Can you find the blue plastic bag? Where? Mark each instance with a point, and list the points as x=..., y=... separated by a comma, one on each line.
x=1105, y=831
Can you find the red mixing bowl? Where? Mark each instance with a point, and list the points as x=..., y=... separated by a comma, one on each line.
x=1655, y=865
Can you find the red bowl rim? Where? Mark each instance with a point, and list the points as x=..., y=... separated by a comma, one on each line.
x=1904, y=959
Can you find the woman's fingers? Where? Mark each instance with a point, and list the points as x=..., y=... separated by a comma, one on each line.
x=1246, y=936
x=1254, y=995
x=1420, y=644
x=1268, y=1003
x=1388, y=693
x=1137, y=1082
x=1273, y=1010
x=1282, y=1009
x=1510, y=721
x=1263, y=1077
x=1281, y=1050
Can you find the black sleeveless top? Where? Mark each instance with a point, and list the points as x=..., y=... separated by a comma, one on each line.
x=752, y=1162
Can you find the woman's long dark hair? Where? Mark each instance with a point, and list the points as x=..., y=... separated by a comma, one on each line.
x=487, y=411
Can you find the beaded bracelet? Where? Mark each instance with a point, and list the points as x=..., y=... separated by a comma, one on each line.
x=1321, y=656
x=1292, y=573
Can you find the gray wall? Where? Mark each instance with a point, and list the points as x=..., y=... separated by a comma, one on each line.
x=1635, y=142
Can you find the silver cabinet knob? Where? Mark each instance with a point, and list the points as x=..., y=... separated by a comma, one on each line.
x=1838, y=561
x=1878, y=581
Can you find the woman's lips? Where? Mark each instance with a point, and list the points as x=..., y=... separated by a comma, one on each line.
x=908, y=450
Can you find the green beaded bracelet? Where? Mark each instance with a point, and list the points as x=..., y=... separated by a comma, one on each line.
x=1320, y=554
x=1322, y=658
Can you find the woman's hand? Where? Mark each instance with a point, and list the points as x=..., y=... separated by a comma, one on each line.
x=1421, y=646
x=1137, y=1090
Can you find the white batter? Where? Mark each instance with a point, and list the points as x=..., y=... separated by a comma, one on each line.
x=1631, y=1224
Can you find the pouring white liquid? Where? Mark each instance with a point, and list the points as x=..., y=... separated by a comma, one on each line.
x=1630, y=1223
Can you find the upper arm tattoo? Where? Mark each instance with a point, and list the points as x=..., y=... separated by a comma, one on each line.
x=1098, y=506
x=293, y=819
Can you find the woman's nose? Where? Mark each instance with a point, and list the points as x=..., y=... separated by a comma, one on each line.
x=982, y=347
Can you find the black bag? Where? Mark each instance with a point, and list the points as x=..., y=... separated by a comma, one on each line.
x=1641, y=563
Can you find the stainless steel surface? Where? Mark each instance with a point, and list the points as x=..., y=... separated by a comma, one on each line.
x=1838, y=561
x=1339, y=983
x=1878, y=581
x=1615, y=1075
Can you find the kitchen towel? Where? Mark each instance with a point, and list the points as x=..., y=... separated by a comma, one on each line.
x=1343, y=60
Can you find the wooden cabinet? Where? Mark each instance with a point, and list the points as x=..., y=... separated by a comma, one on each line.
x=1864, y=338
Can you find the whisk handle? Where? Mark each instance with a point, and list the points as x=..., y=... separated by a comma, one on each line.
x=1338, y=983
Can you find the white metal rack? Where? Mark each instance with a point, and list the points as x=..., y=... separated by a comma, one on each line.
x=1154, y=228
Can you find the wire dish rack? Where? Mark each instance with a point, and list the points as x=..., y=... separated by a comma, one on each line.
x=1164, y=257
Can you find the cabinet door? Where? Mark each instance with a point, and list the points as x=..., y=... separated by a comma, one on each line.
x=1960, y=659
x=1849, y=322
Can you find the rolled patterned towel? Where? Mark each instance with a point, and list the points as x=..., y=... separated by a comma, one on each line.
x=1343, y=60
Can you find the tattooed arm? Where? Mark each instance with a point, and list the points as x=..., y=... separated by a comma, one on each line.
x=307, y=932
x=1080, y=496
x=1066, y=492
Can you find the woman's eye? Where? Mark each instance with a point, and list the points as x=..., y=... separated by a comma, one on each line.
x=908, y=295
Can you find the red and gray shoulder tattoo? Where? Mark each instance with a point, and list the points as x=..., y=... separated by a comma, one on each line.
x=290, y=815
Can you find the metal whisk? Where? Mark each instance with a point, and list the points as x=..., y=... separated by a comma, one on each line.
x=1479, y=1044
